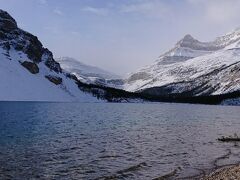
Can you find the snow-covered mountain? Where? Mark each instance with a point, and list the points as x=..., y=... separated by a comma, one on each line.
x=89, y=74
x=192, y=68
x=28, y=72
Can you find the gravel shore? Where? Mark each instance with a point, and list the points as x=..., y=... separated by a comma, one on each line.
x=227, y=173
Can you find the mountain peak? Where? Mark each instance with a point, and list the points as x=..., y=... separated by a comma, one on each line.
x=188, y=37
x=7, y=23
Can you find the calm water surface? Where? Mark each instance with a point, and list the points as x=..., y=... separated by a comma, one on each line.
x=121, y=141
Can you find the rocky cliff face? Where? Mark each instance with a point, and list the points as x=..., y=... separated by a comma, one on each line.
x=13, y=37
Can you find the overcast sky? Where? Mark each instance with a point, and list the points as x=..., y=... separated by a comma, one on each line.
x=121, y=35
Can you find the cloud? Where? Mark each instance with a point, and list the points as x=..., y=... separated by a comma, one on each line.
x=153, y=8
x=58, y=11
x=150, y=8
x=42, y=2
x=223, y=11
x=96, y=11
x=219, y=11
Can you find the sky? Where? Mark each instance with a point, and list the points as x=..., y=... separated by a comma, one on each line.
x=121, y=36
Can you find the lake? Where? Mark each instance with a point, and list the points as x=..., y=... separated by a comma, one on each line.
x=108, y=140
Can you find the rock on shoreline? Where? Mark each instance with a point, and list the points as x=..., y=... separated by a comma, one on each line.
x=227, y=173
